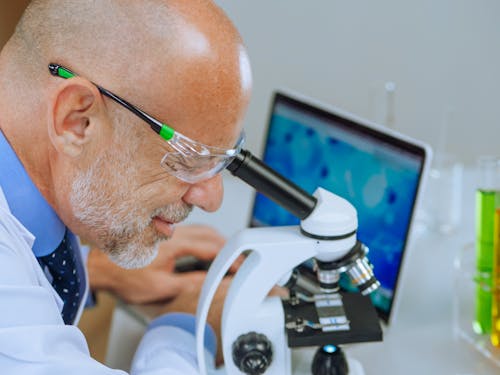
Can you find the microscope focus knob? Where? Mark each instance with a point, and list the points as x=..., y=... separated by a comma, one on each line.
x=252, y=353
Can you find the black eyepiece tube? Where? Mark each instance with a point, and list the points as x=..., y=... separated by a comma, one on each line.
x=273, y=185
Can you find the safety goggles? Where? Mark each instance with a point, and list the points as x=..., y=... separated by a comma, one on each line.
x=186, y=159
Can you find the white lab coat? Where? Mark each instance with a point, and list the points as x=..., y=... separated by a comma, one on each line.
x=33, y=337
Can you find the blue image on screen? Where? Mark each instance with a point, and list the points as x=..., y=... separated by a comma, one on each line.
x=380, y=183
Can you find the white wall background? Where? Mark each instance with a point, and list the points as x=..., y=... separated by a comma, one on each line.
x=442, y=55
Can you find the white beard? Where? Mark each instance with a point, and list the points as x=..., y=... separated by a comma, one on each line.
x=103, y=201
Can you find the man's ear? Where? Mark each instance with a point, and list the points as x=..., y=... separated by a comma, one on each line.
x=74, y=110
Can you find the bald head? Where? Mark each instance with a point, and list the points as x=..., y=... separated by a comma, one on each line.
x=115, y=31
x=169, y=57
x=181, y=61
x=122, y=44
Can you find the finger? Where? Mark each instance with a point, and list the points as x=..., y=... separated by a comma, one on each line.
x=168, y=287
x=202, y=248
x=198, y=232
x=237, y=263
x=146, y=287
x=204, y=251
x=200, y=241
x=279, y=291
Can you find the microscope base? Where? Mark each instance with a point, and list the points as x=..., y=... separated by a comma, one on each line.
x=304, y=367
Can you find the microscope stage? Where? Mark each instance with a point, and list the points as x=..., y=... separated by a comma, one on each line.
x=363, y=322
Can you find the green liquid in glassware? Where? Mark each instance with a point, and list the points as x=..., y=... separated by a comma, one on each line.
x=487, y=201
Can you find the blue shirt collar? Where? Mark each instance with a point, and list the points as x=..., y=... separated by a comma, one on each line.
x=27, y=203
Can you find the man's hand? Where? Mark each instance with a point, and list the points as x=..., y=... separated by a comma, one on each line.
x=158, y=281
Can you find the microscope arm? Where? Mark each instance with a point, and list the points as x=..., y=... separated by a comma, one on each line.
x=264, y=242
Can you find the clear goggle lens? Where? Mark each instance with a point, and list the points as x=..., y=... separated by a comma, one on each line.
x=191, y=161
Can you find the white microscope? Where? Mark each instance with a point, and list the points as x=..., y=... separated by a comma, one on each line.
x=258, y=331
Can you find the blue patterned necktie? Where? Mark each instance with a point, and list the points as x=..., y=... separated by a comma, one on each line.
x=67, y=275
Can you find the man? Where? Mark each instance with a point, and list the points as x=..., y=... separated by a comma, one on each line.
x=78, y=160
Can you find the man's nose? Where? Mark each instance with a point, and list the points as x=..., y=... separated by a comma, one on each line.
x=206, y=194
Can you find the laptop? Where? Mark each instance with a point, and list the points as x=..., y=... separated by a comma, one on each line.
x=378, y=170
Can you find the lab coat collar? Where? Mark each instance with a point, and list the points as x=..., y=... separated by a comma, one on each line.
x=27, y=203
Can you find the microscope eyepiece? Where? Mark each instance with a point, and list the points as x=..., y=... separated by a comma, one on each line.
x=273, y=185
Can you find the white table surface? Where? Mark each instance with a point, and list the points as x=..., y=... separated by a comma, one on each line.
x=420, y=340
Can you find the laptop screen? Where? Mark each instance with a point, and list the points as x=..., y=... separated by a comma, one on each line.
x=378, y=171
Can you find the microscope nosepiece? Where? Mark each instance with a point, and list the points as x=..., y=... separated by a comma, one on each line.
x=361, y=275
x=355, y=264
x=328, y=279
